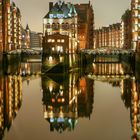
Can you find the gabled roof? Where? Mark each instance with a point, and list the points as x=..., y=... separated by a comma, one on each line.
x=62, y=10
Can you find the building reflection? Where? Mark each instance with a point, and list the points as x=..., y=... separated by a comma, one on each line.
x=65, y=99
x=28, y=69
x=131, y=98
x=108, y=68
x=113, y=73
x=59, y=63
x=10, y=100
x=123, y=76
x=11, y=77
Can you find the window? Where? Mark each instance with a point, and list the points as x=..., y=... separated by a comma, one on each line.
x=62, y=40
x=48, y=26
x=58, y=40
x=65, y=26
x=53, y=40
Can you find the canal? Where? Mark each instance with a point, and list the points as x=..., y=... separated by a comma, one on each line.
x=97, y=101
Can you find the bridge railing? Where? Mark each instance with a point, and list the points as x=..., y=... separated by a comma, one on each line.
x=108, y=51
x=26, y=51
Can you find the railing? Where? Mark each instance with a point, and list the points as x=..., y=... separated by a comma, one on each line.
x=109, y=77
x=26, y=51
x=108, y=51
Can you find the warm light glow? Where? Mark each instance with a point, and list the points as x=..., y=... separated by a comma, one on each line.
x=53, y=100
x=53, y=49
x=50, y=58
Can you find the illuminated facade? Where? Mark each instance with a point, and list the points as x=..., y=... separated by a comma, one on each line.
x=1, y=26
x=108, y=36
x=135, y=10
x=15, y=27
x=85, y=25
x=126, y=29
x=6, y=29
x=62, y=20
x=62, y=42
x=10, y=26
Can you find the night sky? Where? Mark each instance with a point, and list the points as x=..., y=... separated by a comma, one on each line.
x=106, y=11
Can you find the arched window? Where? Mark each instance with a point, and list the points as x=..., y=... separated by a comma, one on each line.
x=67, y=25
x=57, y=26
x=48, y=26
x=53, y=25
x=63, y=25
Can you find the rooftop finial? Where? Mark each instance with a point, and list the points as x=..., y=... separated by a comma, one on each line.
x=60, y=2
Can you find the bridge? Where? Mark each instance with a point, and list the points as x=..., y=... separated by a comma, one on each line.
x=93, y=76
x=108, y=51
x=109, y=77
x=109, y=71
x=26, y=51
x=105, y=54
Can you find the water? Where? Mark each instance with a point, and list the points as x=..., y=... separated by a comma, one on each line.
x=98, y=102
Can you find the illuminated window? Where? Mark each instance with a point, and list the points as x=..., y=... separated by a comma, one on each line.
x=59, y=49
x=58, y=40
x=62, y=40
x=72, y=25
x=53, y=100
x=63, y=100
x=49, y=40
x=53, y=40
x=53, y=49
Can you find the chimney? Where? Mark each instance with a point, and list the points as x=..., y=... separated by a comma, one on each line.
x=50, y=5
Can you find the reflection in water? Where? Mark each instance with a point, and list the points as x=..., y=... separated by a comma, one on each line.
x=66, y=100
x=52, y=63
x=10, y=100
x=129, y=85
x=11, y=78
x=69, y=96
x=131, y=98
x=30, y=69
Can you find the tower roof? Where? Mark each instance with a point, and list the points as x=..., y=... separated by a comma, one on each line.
x=62, y=10
x=27, y=27
x=61, y=124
